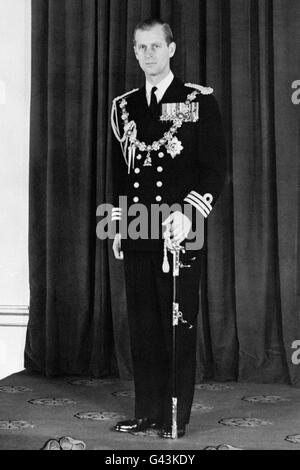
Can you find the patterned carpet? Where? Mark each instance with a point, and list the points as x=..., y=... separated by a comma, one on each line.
x=225, y=416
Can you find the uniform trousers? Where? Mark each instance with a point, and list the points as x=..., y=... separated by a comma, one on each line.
x=149, y=301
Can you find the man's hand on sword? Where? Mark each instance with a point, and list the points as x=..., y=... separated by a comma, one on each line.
x=177, y=226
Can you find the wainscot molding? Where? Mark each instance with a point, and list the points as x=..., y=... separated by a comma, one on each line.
x=14, y=315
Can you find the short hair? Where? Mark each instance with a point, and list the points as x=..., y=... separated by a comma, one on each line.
x=145, y=25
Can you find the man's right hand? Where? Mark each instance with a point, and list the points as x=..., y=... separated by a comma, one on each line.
x=117, y=247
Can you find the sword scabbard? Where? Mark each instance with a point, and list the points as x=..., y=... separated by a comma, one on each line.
x=175, y=313
x=174, y=418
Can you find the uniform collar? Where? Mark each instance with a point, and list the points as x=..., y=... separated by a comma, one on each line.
x=162, y=87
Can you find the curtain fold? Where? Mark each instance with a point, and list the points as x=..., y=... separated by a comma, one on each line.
x=82, y=57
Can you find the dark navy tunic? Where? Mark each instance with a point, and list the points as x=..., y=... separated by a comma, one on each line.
x=196, y=172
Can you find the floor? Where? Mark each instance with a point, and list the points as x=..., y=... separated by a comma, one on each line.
x=225, y=416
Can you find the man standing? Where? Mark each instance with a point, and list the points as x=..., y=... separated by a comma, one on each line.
x=169, y=150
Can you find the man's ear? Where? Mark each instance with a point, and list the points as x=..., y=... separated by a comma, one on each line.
x=135, y=52
x=172, y=49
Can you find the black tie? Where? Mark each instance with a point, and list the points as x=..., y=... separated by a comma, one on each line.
x=153, y=102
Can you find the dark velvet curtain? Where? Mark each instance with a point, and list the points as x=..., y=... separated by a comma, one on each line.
x=248, y=51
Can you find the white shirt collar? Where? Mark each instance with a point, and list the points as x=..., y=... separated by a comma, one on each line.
x=161, y=87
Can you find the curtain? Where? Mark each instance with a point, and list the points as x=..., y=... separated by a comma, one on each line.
x=82, y=57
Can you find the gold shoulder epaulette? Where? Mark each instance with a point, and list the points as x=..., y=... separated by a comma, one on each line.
x=204, y=90
x=125, y=94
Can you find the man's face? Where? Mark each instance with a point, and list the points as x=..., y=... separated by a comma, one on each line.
x=153, y=52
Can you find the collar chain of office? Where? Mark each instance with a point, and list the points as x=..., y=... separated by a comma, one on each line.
x=130, y=144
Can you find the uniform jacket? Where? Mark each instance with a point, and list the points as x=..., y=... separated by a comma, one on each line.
x=194, y=175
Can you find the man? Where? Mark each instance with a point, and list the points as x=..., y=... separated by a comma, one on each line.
x=169, y=150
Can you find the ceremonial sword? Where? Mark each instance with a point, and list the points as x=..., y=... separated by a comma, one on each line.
x=176, y=317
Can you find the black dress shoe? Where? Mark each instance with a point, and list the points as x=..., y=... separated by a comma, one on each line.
x=166, y=432
x=136, y=425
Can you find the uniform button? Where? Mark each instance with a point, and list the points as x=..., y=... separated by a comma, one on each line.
x=136, y=185
x=139, y=156
x=159, y=169
x=161, y=154
x=159, y=184
x=135, y=199
x=137, y=170
x=158, y=198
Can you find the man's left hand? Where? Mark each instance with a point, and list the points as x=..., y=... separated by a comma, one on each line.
x=177, y=226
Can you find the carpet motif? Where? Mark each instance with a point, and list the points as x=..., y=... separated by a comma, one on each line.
x=102, y=402
x=64, y=443
x=90, y=382
x=99, y=415
x=15, y=389
x=222, y=447
x=265, y=399
x=294, y=438
x=124, y=393
x=15, y=425
x=201, y=408
x=52, y=401
x=213, y=387
x=244, y=422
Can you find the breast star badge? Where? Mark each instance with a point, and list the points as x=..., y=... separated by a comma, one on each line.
x=174, y=147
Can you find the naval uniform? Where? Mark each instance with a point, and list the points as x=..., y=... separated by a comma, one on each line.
x=172, y=154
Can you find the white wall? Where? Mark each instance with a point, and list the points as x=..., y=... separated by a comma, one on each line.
x=15, y=32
